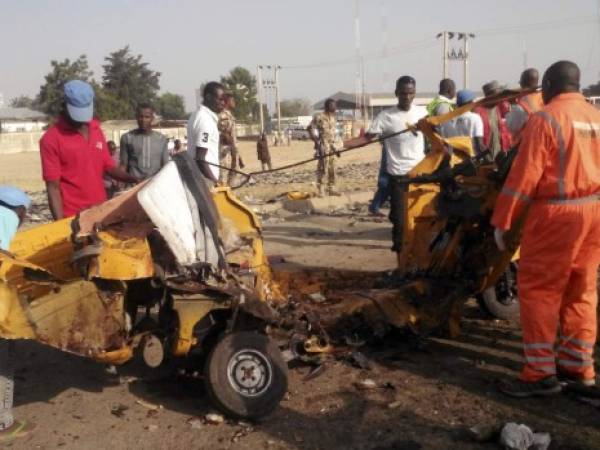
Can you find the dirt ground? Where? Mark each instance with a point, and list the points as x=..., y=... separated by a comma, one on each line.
x=431, y=390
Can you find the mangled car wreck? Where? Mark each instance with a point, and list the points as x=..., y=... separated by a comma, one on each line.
x=169, y=270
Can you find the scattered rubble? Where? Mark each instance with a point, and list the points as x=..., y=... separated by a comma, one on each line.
x=520, y=437
x=118, y=410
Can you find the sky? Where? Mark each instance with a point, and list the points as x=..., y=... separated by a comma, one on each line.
x=194, y=41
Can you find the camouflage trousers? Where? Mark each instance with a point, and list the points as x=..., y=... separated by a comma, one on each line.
x=326, y=166
x=224, y=174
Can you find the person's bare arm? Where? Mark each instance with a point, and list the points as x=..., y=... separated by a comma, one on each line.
x=361, y=140
x=203, y=165
x=55, y=199
x=119, y=174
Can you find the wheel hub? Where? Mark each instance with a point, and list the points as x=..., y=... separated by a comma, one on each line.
x=249, y=373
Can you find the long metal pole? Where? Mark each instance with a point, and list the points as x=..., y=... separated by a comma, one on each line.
x=260, y=97
x=277, y=99
x=466, y=61
x=445, y=55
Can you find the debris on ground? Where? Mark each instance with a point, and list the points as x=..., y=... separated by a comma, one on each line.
x=195, y=423
x=127, y=379
x=214, y=419
x=150, y=406
x=366, y=384
x=119, y=410
x=317, y=297
x=520, y=437
x=151, y=428
x=314, y=372
x=484, y=433
x=359, y=360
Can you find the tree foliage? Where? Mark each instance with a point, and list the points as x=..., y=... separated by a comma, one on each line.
x=108, y=106
x=22, y=101
x=170, y=106
x=128, y=78
x=50, y=97
x=592, y=90
x=295, y=107
x=242, y=84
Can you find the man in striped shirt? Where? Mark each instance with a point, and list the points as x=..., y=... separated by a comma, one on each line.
x=144, y=151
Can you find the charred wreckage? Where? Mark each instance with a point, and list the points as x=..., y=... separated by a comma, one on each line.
x=170, y=271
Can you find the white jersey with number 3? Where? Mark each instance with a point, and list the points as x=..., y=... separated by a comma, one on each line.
x=203, y=131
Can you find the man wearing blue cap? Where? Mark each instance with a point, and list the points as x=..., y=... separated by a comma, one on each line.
x=469, y=123
x=13, y=207
x=75, y=155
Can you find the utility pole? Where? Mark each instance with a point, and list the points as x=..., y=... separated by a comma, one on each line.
x=451, y=54
x=358, y=81
x=277, y=102
x=466, y=61
x=445, y=55
x=260, y=97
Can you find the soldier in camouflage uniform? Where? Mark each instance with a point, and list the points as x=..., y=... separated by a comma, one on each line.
x=227, y=140
x=325, y=124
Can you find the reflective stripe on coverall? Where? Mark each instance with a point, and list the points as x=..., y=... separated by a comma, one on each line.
x=557, y=173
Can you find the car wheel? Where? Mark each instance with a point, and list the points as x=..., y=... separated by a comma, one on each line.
x=502, y=300
x=245, y=375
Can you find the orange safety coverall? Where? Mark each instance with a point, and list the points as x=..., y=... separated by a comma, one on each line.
x=557, y=173
x=531, y=103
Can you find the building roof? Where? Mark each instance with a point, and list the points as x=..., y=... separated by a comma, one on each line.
x=344, y=100
x=9, y=113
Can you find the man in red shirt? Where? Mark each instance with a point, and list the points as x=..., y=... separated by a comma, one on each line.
x=75, y=155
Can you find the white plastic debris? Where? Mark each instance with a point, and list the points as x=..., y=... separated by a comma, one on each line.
x=214, y=419
x=366, y=384
x=520, y=437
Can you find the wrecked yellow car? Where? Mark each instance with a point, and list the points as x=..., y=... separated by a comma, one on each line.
x=159, y=270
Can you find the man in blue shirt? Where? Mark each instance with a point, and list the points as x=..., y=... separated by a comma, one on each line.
x=13, y=207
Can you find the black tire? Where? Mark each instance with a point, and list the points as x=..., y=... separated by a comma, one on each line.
x=225, y=374
x=502, y=301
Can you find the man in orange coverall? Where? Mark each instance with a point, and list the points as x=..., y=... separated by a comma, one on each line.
x=557, y=175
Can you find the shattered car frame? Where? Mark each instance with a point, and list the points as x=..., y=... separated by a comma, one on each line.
x=167, y=269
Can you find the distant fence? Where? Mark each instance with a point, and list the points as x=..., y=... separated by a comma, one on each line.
x=28, y=141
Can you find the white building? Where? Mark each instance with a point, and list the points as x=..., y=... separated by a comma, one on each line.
x=14, y=120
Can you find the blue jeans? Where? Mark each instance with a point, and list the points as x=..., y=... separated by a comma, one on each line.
x=383, y=189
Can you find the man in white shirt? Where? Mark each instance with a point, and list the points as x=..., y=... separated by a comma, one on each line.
x=203, y=131
x=468, y=124
x=403, y=152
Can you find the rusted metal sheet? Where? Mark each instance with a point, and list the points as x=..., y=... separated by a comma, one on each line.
x=79, y=318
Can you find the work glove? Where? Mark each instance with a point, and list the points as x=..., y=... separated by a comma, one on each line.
x=499, y=238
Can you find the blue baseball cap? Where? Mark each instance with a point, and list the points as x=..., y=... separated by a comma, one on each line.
x=464, y=96
x=79, y=97
x=13, y=196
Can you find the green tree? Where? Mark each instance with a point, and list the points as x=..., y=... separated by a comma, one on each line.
x=170, y=106
x=128, y=78
x=22, y=101
x=50, y=97
x=242, y=84
x=592, y=90
x=108, y=106
x=295, y=107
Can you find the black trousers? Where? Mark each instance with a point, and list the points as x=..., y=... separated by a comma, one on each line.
x=398, y=189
